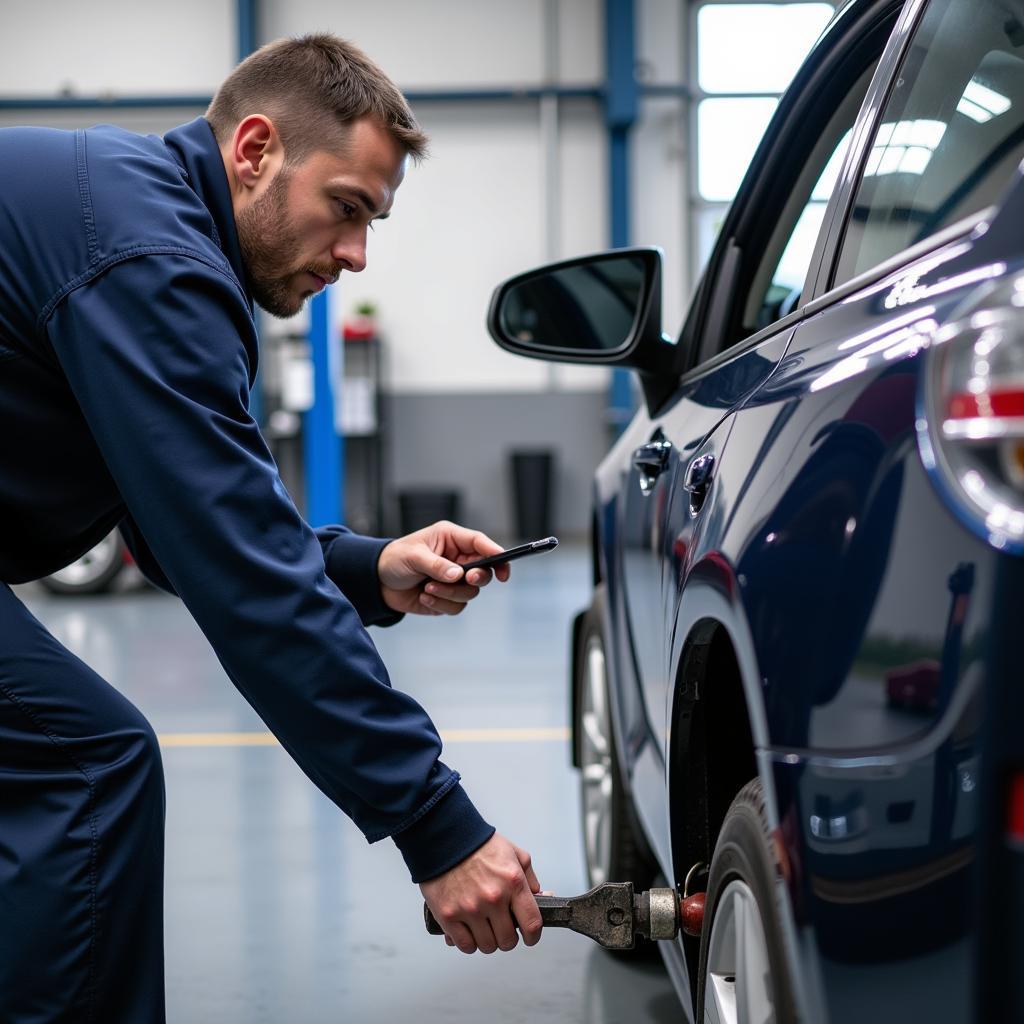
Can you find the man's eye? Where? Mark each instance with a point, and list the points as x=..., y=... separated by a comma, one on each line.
x=346, y=208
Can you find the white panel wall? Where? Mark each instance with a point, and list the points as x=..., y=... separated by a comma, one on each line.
x=427, y=45
x=117, y=46
x=455, y=43
x=580, y=41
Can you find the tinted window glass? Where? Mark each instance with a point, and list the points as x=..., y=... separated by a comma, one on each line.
x=950, y=136
x=787, y=279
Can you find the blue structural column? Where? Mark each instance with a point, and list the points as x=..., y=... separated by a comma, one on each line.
x=323, y=449
x=622, y=101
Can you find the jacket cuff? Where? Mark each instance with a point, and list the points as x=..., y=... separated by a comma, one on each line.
x=446, y=835
x=351, y=563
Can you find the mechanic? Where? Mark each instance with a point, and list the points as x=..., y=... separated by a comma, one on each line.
x=128, y=270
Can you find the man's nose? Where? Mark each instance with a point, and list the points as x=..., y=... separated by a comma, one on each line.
x=350, y=253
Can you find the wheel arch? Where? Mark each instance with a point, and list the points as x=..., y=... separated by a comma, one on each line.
x=717, y=723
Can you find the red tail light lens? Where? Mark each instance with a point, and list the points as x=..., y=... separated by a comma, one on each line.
x=1015, y=809
x=972, y=430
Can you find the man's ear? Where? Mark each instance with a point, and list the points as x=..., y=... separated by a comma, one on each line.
x=256, y=151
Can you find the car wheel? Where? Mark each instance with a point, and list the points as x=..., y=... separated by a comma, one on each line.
x=94, y=572
x=743, y=975
x=611, y=849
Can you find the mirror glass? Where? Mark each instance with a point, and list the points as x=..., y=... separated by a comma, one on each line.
x=589, y=307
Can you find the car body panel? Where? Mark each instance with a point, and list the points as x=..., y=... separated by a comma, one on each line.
x=869, y=617
x=654, y=528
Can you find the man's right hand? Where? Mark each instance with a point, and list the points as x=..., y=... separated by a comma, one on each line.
x=480, y=901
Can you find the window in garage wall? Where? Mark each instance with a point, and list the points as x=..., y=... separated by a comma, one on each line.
x=743, y=56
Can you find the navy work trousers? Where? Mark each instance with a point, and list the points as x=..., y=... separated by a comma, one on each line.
x=81, y=839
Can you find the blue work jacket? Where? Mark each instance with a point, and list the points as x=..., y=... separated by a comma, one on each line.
x=127, y=352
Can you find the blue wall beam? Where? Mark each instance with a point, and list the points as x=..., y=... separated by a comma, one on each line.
x=100, y=102
x=322, y=447
x=247, y=27
x=622, y=104
x=414, y=96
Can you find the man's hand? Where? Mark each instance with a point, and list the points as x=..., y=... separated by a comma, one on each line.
x=435, y=554
x=481, y=900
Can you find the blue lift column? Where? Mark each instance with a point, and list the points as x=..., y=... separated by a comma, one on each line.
x=324, y=451
x=622, y=102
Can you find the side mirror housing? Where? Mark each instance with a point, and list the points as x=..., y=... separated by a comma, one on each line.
x=602, y=310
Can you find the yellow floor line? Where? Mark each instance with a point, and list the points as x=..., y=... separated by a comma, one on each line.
x=556, y=734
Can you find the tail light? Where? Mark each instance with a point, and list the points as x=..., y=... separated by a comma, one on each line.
x=972, y=432
x=1015, y=810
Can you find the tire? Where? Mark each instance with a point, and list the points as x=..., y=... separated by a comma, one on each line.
x=742, y=903
x=612, y=849
x=93, y=573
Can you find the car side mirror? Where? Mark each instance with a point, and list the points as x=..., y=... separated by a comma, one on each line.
x=603, y=309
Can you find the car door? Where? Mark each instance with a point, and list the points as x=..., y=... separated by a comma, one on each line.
x=735, y=336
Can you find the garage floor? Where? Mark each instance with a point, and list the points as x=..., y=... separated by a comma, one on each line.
x=277, y=910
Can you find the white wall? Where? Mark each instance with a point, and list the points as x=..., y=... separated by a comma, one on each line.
x=121, y=46
x=455, y=43
x=478, y=210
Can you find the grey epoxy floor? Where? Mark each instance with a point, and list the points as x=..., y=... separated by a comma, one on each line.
x=277, y=911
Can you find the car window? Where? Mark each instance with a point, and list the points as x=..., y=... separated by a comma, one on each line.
x=761, y=262
x=778, y=283
x=950, y=136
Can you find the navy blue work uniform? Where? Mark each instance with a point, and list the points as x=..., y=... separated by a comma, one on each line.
x=127, y=351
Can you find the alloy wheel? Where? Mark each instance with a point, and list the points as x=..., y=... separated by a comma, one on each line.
x=596, y=764
x=738, y=989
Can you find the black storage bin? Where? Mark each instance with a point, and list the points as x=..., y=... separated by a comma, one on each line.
x=424, y=506
x=532, y=473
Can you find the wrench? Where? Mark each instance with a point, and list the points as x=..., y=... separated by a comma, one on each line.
x=610, y=914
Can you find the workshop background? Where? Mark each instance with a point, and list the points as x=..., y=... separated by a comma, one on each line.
x=558, y=127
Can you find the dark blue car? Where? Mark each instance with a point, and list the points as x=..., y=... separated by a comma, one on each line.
x=799, y=687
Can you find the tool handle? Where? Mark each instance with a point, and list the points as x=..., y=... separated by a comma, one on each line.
x=554, y=912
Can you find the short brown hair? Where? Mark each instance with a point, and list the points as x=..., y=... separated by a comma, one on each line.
x=310, y=87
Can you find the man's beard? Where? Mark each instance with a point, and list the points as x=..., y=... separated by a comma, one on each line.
x=270, y=250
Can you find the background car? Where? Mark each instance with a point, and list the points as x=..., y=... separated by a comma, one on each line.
x=824, y=485
x=93, y=573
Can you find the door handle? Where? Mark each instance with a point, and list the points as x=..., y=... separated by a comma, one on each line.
x=651, y=459
x=699, y=474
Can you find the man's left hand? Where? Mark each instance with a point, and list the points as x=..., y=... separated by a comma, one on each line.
x=436, y=554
